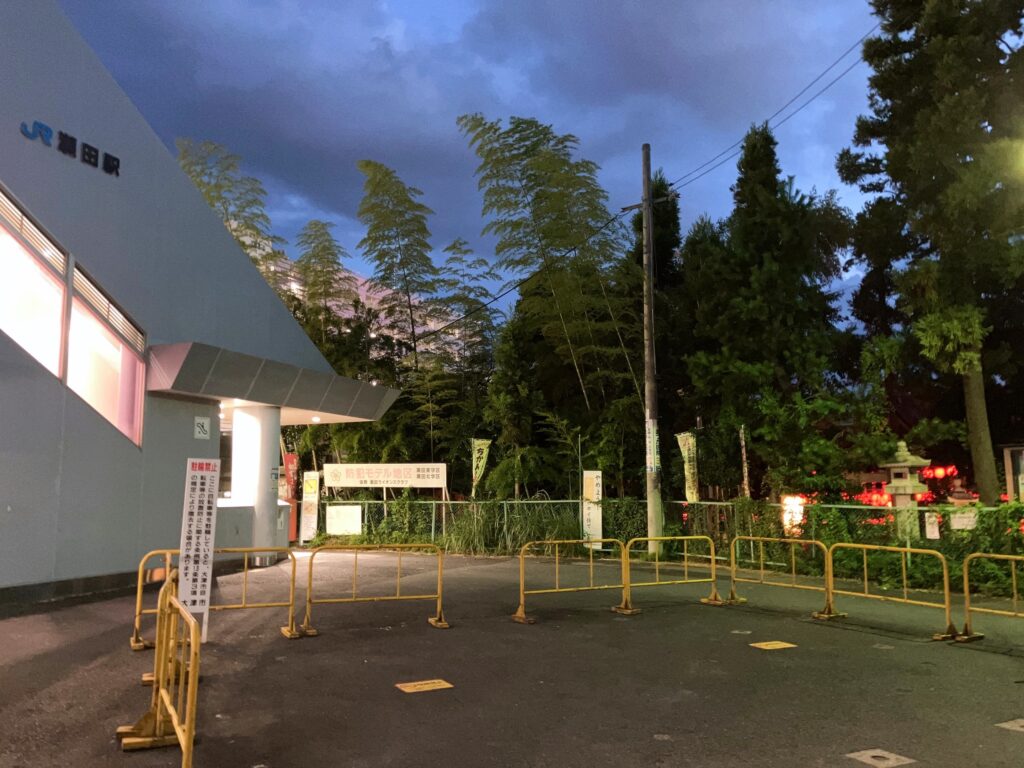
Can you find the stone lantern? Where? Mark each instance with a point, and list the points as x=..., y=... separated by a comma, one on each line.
x=904, y=486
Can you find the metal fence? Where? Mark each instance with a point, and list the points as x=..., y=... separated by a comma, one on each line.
x=354, y=595
x=504, y=526
x=171, y=717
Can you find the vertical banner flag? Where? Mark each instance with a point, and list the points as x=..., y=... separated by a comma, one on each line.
x=291, y=475
x=310, y=505
x=653, y=454
x=688, y=447
x=198, y=528
x=480, y=449
x=592, y=495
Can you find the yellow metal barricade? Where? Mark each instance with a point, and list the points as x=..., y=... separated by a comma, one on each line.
x=827, y=612
x=437, y=620
x=171, y=717
x=147, y=575
x=520, y=614
x=167, y=556
x=684, y=566
x=904, y=552
x=969, y=634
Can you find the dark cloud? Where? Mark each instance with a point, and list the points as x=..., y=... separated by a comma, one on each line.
x=303, y=90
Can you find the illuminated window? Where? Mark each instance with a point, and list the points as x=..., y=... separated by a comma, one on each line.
x=100, y=352
x=31, y=302
x=104, y=371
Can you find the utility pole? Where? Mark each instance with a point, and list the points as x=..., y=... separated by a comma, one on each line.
x=653, y=470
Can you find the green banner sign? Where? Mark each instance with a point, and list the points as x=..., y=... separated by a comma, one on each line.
x=480, y=449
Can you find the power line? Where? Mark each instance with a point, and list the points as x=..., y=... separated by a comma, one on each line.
x=701, y=170
x=729, y=150
x=535, y=273
x=737, y=152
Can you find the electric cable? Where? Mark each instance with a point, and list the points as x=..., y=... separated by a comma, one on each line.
x=701, y=170
x=730, y=149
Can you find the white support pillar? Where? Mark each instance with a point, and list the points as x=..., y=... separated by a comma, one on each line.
x=255, y=443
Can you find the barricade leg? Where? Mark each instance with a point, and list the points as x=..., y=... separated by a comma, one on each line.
x=148, y=733
x=829, y=612
x=307, y=628
x=734, y=598
x=155, y=728
x=626, y=606
x=714, y=598
x=438, y=620
x=969, y=635
x=520, y=616
x=290, y=631
x=137, y=641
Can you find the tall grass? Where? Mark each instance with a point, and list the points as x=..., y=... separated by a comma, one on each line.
x=503, y=528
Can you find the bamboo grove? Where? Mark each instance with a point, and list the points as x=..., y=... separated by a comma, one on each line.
x=827, y=333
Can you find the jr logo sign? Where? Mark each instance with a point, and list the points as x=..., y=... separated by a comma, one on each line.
x=70, y=146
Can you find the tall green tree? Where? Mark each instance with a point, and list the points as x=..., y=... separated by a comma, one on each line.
x=397, y=241
x=575, y=321
x=239, y=200
x=548, y=212
x=464, y=293
x=513, y=406
x=763, y=319
x=943, y=139
x=327, y=285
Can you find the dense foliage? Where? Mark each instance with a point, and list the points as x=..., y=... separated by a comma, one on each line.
x=751, y=332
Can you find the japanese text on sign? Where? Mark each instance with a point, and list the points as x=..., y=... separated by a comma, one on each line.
x=198, y=527
x=71, y=147
x=385, y=475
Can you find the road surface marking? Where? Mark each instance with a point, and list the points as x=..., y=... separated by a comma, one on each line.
x=423, y=685
x=772, y=645
x=880, y=758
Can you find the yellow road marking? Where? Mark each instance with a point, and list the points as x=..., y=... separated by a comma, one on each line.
x=772, y=645
x=423, y=685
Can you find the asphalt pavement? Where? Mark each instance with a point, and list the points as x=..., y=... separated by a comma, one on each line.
x=680, y=684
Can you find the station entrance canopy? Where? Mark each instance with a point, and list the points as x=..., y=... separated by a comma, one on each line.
x=305, y=396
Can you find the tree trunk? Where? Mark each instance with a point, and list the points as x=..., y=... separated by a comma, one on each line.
x=979, y=439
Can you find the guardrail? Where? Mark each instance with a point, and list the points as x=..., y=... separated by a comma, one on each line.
x=828, y=612
x=138, y=642
x=904, y=552
x=171, y=717
x=520, y=614
x=437, y=620
x=628, y=582
x=969, y=634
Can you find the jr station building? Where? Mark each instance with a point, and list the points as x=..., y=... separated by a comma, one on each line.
x=131, y=327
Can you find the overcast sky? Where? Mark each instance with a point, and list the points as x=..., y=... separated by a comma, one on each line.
x=302, y=89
